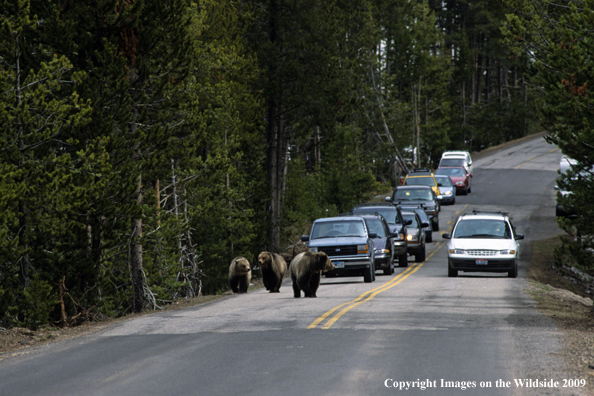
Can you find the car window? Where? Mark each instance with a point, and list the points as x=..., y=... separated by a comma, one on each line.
x=340, y=228
x=413, y=218
x=422, y=214
x=452, y=162
x=413, y=195
x=419, y=181
x=482, y=228
x=445, y=181
x=390, y=215
x=376, y=225
x=450, y=172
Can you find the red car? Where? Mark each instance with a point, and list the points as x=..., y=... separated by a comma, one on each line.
x=460, y=177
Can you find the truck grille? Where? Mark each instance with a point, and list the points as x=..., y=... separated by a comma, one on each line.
x=349, y=250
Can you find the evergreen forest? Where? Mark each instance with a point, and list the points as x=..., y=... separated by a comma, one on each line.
x=146, y=143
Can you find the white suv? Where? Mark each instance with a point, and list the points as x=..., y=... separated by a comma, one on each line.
x=483, y=242
x=452, y=158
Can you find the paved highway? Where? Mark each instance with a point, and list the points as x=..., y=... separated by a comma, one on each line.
x=415, y=329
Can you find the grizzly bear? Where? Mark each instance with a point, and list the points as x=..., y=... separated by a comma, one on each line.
x=273, y=267
x=306, y=272
x=240, y=275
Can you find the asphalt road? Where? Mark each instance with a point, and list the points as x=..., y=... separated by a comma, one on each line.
x=412, y=330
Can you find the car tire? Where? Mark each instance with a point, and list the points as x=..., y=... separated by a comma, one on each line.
x=452, y=273
x=429, y=237
x=403, y=260
x=368, y=275
x=514, y=272
x=390, y=269
x=421, y=256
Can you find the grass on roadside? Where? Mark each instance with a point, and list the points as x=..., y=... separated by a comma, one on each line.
x=567, y=303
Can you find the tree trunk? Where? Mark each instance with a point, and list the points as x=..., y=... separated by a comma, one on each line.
x=136, y=257
x=274, y=138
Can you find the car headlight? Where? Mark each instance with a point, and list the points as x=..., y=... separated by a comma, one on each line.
x=460, y=183
x=447, y=193
x=381, y=251
x=400, y=237
x=508, y=251
x=411, y=238
x=362, y=249
x=456, y=251
x=312, y=249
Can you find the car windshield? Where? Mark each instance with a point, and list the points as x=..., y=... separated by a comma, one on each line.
x=498, y=229
x=445, y=181
x=339, y=228
x=390, y=215
x=459, y=172
x=413, y=218
x=452, y=162
x=419, y=181
x=413, y=195
x=375, y=225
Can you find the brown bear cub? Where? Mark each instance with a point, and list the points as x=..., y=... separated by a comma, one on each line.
x=273, y=267
x=240, y=275
x=306, y=272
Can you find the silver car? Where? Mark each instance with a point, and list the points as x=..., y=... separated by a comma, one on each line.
x=447, y=190
x=483, y=242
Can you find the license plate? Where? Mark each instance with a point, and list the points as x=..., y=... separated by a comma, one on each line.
x=482, y=261
x=338, y=264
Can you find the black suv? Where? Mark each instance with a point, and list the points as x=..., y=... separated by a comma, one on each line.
x=395, y=221
x=422, y=195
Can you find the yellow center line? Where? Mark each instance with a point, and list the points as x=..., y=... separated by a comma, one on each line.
x=536, y=156
x=371, y=293
x=330, y=312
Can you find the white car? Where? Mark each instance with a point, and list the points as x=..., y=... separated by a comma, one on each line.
x=457, y=158
x=483, y=242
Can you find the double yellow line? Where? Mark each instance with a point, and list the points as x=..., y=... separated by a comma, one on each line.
x=361, y=299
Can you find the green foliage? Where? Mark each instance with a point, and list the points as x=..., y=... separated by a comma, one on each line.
x=556, y=36
x=34, y=306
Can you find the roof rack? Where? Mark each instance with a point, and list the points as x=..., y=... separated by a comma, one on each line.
x=419, y=170
x=372, y=204
x=476, y=212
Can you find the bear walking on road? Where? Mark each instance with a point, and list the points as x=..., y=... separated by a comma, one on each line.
x=306, y=272
x=273, y=268
x=240, y=275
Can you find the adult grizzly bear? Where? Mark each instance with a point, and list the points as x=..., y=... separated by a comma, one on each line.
x=273, y=268
x=306, y=272
x=240, y=275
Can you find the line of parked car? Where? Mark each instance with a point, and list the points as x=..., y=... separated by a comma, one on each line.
x=375, y=236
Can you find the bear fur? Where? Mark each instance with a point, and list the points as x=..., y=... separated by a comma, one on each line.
x=306, y=272
x=273, y=267
x=240, y=275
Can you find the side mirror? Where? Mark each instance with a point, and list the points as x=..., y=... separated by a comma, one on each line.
x=407, y=222
x=388, y=199
x=445, y=235
x=519, y=236
x=304, y=238
x=424, y=225
x=373, y=235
